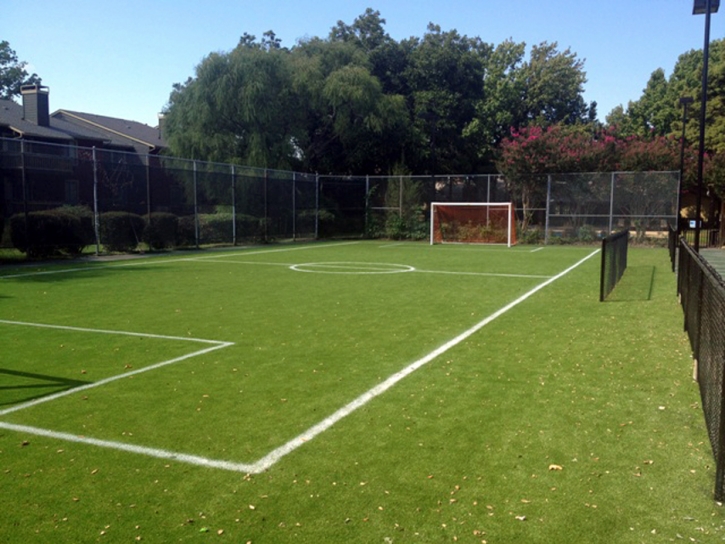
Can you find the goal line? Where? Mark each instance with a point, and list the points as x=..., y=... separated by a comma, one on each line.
x=472, y=223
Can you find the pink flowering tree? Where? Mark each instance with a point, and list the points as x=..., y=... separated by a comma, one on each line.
x=530, y=153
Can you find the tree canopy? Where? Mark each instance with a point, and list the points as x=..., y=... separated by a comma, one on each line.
x=13, y=74
x=358, y=101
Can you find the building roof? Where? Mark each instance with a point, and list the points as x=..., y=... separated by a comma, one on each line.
x=66, y=126
x=12, y=118
x=121, y=132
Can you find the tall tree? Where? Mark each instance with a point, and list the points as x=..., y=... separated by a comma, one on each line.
x=350, y=125
x=13, y=74
x=554, y=83
x=500, y=107
x=445, y=75
x=237, y=109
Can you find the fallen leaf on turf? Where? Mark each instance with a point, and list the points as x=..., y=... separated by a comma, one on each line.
x=556, y=467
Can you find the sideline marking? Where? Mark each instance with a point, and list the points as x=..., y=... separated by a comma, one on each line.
x=277, y=454
x=151, y=260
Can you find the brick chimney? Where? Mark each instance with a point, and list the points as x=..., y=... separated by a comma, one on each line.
x=35, y=104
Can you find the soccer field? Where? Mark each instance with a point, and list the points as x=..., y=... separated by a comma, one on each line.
x=340, y=392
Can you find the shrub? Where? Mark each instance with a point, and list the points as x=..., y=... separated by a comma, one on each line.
x=216, y=228
x=51, y=232
x=186, y=231
x=161, y=230
x=531, y=235
x=121, y=231
x=587, y=234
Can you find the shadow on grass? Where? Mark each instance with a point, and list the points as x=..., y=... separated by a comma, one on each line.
x=28, y=392
x=635, y=286
x=60, y=274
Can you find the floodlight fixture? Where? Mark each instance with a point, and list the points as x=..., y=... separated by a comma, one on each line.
x=700, y=6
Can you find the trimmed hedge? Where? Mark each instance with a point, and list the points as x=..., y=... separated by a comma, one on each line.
x=121, y=231
x=61, y=230
x=161, y=230
x=216, y=228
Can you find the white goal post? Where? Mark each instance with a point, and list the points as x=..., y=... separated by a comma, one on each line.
x=472, y=223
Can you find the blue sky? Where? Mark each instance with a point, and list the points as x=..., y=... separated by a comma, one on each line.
x=121, y=58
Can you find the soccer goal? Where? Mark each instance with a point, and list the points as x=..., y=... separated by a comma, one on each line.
x=472, y=223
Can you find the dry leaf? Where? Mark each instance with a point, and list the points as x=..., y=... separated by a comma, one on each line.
x=556, y=467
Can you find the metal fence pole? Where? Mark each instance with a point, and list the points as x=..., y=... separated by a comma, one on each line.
x=294, y=206
x=548, y=209
x=400, y=197
x=234, y=205
x=148, y=187
x=24, y=181
x=96, y=219
x=266, y=210
x=367, y=204
x=196, y=210
x=611, y=204
x=317, y=206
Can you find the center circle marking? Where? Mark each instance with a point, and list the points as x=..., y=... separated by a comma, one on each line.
x=352, y=268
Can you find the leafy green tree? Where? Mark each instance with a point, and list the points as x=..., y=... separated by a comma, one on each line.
x=553, y=86
x=13, y=74
x=501, y=107
x=238, y=108
x=349, y=123
x=445, y=75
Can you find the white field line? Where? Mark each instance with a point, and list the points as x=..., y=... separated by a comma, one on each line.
x=227, y=261
x=271, y=458
x=373, y=267
x=537, y=249
x=486, y=274
x=131, y=448
x=152, y=260
x=216, y=345
x=275, y=455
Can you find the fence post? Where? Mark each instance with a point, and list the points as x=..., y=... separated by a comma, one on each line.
x=196, y=210
x=96, y=220
x=294, y=206
x=611, y=204
x=548, y=209
x=400, y=197
x=317, y=206
x=25, y=192
x=148, y=187
x=266, y=210
x=367, y=204
x=234, y=205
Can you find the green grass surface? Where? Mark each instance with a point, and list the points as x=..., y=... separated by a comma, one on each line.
x=563, y=420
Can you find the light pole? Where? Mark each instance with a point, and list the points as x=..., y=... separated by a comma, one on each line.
x=685, y=102
x=702, y=7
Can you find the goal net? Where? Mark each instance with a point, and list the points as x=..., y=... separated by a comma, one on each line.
x=472, y=223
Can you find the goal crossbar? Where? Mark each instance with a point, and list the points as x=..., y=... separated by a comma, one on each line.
x=473, y=223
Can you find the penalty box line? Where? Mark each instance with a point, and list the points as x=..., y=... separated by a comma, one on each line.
x=216, y=344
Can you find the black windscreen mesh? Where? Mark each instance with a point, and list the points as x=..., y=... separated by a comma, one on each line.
x=702, y=295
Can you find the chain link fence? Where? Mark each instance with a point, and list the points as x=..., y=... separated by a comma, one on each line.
x=702, y=295
x=124, y=200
